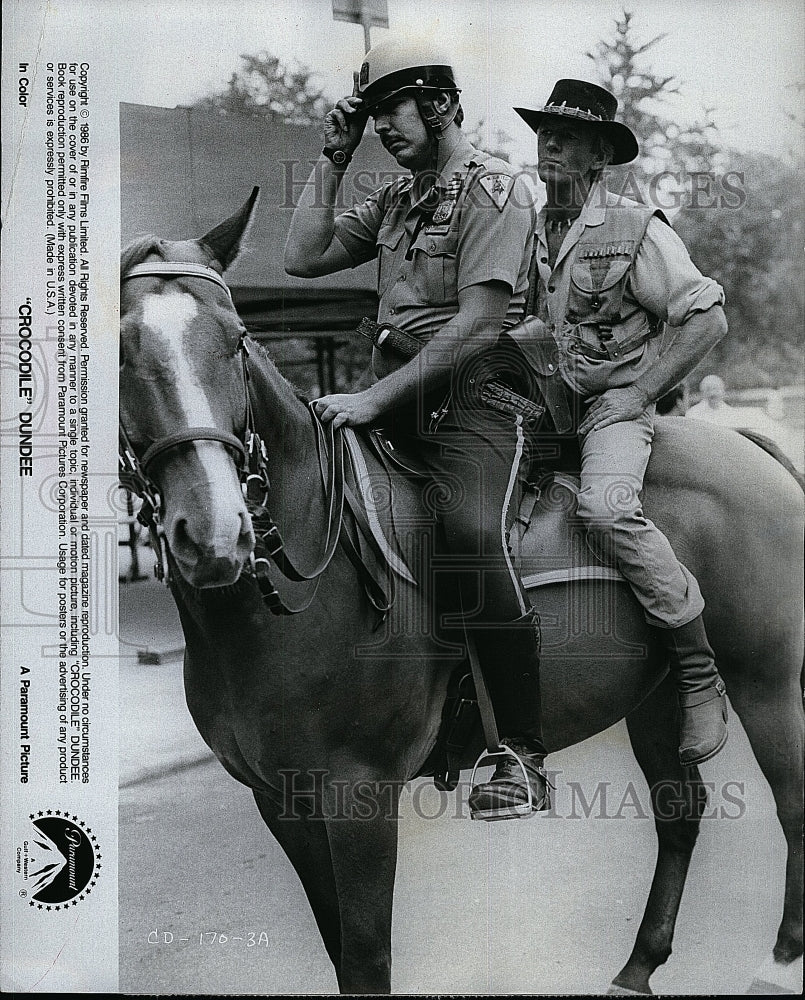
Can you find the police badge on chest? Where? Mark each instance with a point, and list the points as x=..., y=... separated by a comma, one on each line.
x=444, y=210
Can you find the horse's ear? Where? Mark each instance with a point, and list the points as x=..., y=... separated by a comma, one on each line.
x=224, y=242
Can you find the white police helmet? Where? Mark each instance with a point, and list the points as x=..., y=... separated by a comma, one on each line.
x=399, y=66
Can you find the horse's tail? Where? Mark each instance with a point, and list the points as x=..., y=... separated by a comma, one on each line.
x=775, y=451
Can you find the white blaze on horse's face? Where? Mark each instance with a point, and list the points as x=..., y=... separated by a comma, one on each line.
x=208, y=529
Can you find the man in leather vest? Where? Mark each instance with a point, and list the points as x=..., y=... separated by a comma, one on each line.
x=454, y=241
x=608, y=276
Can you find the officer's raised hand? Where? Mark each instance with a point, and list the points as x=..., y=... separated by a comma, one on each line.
x=344, y=125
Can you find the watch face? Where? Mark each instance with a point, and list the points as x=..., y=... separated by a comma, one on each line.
x=339, y=156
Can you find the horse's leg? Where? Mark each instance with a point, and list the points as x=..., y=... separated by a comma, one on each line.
x=678, y=800
x=305, y=843
x=772, y=715
x=363, y=844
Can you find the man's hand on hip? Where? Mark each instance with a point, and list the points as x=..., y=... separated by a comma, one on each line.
x=614, y=406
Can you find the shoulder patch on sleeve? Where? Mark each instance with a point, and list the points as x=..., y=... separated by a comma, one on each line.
x=498, y=186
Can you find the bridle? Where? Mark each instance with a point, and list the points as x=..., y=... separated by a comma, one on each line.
x=252, y=462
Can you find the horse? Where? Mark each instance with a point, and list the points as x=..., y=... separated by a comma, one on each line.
x=326, y=714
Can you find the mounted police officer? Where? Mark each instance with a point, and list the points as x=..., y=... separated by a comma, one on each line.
x=454, y=242
x=608, y=275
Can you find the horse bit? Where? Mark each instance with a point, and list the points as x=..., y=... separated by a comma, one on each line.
x=252, y=462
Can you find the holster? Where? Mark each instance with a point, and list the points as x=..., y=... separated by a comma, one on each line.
x=492, y=393
x=541, y=351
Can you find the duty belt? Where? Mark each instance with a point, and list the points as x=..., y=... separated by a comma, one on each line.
x=494, y=394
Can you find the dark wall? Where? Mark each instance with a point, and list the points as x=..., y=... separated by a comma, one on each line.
x=182, y=171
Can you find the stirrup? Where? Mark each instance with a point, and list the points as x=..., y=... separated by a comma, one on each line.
x=520, y=811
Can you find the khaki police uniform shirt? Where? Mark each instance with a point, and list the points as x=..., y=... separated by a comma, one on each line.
x=477, y=227
x=663, y=280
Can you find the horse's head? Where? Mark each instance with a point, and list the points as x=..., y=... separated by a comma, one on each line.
x=183, y=395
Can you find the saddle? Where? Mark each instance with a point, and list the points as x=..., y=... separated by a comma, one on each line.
x=546, y=539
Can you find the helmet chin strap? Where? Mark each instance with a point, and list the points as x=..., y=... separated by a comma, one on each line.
x=435, y=125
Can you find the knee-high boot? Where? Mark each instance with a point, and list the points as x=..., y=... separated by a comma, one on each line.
x=700, y=690
x=510, y=663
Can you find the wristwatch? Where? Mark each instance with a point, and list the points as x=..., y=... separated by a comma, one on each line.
x=338, y=156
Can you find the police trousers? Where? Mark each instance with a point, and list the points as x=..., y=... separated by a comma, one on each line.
x=474, y=457
x=613, y=465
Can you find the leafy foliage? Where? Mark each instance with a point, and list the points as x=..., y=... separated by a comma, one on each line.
x=646, y=101
x=267, y=87
x=741, y=214
x=754, y=251
x=495, y=141
x=750, y=243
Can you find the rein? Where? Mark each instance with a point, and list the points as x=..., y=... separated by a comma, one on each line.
x=252, y=462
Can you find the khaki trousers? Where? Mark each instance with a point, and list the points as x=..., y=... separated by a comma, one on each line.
x=613, y=464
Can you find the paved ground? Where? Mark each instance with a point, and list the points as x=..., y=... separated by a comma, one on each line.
x=543, y=906
x=157, y=734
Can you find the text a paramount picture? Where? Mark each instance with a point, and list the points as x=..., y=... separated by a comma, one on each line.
x=402, y=446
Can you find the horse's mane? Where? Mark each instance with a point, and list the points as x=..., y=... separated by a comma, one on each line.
x=262, y=351
x=136, y=252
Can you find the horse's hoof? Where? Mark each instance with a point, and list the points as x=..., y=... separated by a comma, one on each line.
x=777, y=979
x=621, y=991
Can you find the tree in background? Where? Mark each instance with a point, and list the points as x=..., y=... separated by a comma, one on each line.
x=645, y=104
x=755, y=252
x=266, y=86
x=496, y=142
x=747, y=234
x=750, y=243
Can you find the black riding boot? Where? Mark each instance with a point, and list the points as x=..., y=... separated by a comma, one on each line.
x=510, y=663
x=700, y=690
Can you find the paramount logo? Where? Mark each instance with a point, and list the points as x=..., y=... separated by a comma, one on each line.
x=63, y=861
